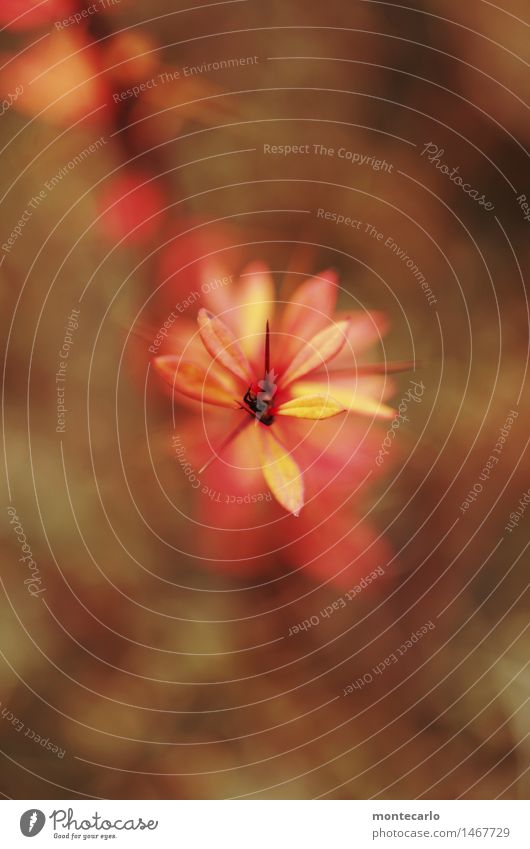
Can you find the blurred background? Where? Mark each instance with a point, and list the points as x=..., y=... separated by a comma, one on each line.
x=138, y=162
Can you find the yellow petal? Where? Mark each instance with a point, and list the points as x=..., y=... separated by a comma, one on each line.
x=281, y=472
x=347, y=397
x=193, y=380
x=221, y=343
x=311, y=407
x=319, y=350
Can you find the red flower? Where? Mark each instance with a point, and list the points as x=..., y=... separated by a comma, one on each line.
x=275, y=371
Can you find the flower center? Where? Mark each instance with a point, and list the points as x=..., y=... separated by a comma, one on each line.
x=259, y=400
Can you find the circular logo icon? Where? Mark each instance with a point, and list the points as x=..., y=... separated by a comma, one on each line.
x=32, y=822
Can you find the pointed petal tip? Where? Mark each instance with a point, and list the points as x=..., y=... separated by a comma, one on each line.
x=330, y=274
x=311, y=406
x=257, y=266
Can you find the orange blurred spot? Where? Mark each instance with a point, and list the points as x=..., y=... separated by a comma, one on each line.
x=130, y=208
x=131, y=56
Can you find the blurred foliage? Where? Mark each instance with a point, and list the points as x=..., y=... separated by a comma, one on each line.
x=161, y=677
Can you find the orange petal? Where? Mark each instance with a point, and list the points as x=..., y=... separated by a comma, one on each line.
x=194, y=381
x=183, y=339
x=281, y=472
x=256, y=300
x=311, y=407
x=319, y=350
x=28, y=14
x=309, y=310
x=130, y=207
x=366, y=329
x=348, y=397
x=221, y=343
x=342, y=550
x=219, y=291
